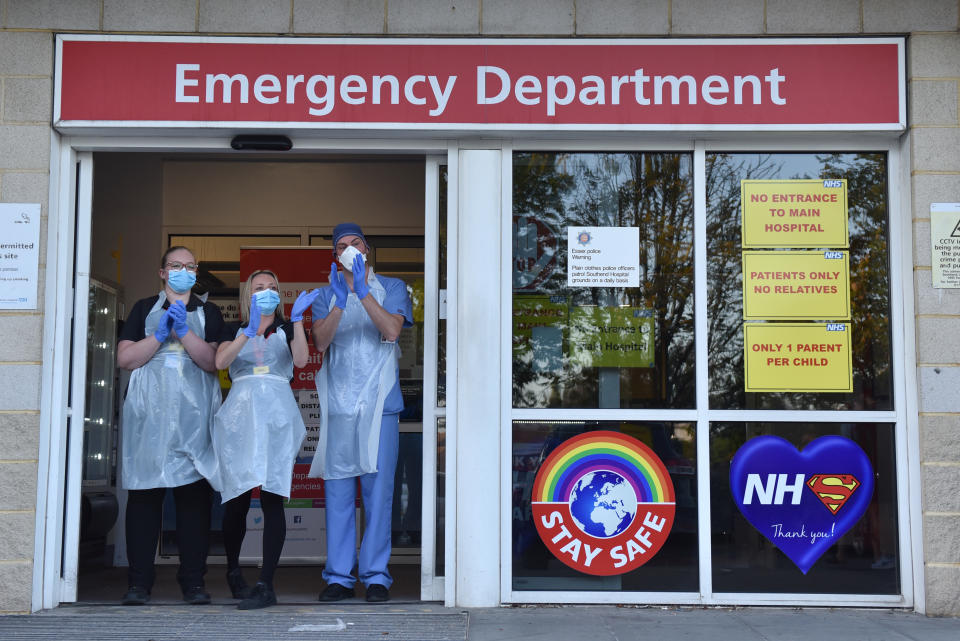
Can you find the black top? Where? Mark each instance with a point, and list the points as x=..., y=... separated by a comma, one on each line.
x=230, y=330
x=133, y=327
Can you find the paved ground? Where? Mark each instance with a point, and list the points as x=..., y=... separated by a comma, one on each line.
x=432, y=622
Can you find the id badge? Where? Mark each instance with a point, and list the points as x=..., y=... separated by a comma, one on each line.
x=261, y=369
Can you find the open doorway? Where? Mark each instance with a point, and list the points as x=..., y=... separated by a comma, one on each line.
x=218, y=205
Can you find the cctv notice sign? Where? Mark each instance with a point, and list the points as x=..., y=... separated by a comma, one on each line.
x=775, y=84
x=945, y=244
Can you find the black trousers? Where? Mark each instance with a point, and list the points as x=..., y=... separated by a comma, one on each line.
x=274, y=530
x=143, y=521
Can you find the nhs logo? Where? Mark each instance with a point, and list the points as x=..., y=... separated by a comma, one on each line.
x=773, y=489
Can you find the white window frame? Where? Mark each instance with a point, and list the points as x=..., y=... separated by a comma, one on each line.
x=904, y=415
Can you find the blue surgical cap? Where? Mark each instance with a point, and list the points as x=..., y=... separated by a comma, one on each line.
x=347, y=229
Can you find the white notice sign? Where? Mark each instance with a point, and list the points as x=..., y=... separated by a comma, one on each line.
x=945, y=241
x=19, y=255
x=603, y=257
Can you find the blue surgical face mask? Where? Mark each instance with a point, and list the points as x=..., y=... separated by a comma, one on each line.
x=181, y=281
x=267, y=301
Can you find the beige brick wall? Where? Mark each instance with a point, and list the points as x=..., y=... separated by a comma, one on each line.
x=26, y=45
x=26, y=64
x=934, y=84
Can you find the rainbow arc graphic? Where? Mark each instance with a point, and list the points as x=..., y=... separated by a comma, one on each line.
x=598, y=451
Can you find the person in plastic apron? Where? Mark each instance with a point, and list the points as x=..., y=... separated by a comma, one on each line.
x=356, y=322
x=258, y=431
x=165, y=425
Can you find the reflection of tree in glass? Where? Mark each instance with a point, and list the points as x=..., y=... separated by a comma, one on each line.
x=869, y=276
x=866, y=176
x=652, y=192
x=724, y=272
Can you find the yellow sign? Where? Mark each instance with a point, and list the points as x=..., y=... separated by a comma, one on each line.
x=796, y=285
x=797, y=357
x=612, y=336
x=794, y=213
x=539, y=330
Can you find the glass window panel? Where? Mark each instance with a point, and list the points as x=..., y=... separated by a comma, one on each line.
x=619, y=347
x=863, y=561
x=408, y=491
x=99, y=463
x=673, y=569
x=440, y=531
x=442, y=280
x=867, y=197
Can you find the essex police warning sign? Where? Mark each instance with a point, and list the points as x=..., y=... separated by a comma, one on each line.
x=794, y=213
x=797, y=357
x=798, y=285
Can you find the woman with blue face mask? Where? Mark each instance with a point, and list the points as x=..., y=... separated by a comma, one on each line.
x=169, y=343
x=258, y=431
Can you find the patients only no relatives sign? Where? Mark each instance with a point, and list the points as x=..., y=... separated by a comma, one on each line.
x=509, y=84
x=19, y=255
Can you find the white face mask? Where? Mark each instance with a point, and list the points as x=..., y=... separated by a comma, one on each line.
x=346, y=258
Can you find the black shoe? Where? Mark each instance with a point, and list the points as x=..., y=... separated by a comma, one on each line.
x=336, y=592
x=136, y=595
x=261, y=596
x=196, y=595
x=238, y=587
x=377, y=593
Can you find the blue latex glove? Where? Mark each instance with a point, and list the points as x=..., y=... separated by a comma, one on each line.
x=163, y=329
x=251, y=329
x=339, y=287
x=360, y=277
x=302, y=304
x=178, y=312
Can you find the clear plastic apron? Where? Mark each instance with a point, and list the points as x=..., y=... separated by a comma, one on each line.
x=167, y=413
x=258, y=431
x=359, y=370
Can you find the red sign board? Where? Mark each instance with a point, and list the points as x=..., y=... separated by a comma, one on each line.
x=443, y=84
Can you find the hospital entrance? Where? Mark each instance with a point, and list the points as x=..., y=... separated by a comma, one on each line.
x=238, y=213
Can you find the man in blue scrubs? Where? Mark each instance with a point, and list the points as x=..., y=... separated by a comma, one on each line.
x=356, y=322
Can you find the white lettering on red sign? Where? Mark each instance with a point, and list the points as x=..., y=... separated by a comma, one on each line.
x=320, y=90
x=592, y=90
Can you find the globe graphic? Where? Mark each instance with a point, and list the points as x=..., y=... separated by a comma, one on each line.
x=603, y=503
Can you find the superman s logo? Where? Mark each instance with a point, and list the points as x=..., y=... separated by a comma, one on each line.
x=833, y=490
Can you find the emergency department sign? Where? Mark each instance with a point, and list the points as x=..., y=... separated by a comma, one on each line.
x=802, y=502
x=603, y=503
x=775, y=84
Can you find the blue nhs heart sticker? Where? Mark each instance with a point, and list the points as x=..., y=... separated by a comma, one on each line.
x=802, y=502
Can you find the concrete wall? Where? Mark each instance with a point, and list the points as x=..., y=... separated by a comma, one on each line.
x=26, y=45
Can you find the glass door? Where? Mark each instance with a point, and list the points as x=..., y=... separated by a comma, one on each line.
x=434, y=380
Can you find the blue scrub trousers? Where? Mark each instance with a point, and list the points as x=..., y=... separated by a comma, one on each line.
x=377, y=492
